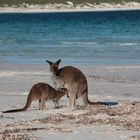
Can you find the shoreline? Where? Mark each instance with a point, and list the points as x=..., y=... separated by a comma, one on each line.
x=69, y=10
x=59, y=8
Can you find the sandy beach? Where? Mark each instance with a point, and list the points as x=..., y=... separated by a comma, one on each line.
x=68, y=7
x=22, y=66
x=118, y=86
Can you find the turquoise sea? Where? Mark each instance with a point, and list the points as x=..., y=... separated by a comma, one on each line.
x=81, y=38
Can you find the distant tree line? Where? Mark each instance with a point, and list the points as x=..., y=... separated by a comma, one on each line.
x=18, y=2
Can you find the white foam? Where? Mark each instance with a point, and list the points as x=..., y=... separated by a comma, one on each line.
x=121, y=67
x=16, y=93
x=13, y=73
x=125, y=44
x=78, y=43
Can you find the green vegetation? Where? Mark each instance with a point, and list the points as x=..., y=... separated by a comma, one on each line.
x=18, y=2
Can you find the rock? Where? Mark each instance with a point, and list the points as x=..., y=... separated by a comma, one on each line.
x=70, y=3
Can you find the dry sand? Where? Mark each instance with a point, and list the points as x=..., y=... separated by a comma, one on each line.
x=117, y=86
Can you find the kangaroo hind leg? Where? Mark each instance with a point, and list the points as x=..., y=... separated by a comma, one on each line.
x=72, y=98
x=85, y=98
x=42, y=105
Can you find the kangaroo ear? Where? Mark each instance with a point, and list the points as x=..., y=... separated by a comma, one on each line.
x=58, y=62
x=49, y=62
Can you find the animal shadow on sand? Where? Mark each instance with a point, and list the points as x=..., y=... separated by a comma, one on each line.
x=109, y=103
x=106, y=103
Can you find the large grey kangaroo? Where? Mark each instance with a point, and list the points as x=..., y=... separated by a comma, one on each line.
x=73, y=80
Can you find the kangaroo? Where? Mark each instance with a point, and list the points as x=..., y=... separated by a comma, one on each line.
x=73, y=80
x=42, y=91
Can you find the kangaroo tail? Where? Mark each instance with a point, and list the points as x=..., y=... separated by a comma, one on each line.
x=86, y=100
x=14, y=110
x=27, y=105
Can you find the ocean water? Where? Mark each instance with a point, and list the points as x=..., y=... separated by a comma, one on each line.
x=84, y=38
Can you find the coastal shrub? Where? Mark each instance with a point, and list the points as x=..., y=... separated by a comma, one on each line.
x=18, y=2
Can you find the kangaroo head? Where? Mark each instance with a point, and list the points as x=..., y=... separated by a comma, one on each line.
x=63, y=91
x=54, y=67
